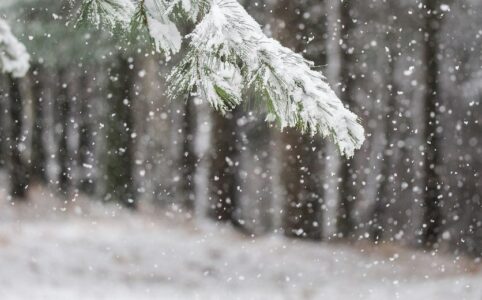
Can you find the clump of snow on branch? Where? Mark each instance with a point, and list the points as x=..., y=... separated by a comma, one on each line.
x=14, y=58
x=229, y=56
x=164, y=32
x=210, y=66
x=159, y=17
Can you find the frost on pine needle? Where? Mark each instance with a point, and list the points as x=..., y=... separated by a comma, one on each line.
x=189, y=9
x=217, y=81
x=110, y=13
x=14, y=58
x=211, y=64
x=297, y=96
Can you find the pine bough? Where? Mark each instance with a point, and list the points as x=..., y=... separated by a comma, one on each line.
x=14, y=58
x=229, y=56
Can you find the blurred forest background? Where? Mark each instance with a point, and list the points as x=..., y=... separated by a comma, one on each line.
x=92, y=118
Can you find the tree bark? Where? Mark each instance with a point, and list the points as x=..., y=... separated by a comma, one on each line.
x=223, y=169
x=62, y=124
x=120, y=185
x=384, y=193
x=38, y=165
x=4, y=138
x=347, y=188
x=302, y=158
x=301, y=179
x=432, y=218
x=18, y=170
x=189, y=158
x=86, y=140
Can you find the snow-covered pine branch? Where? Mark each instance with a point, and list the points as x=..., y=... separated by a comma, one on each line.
x=229, y=56
x=164, y=32
x=110, y=13
x=14, y=58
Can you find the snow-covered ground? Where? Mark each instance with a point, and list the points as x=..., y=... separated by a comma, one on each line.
x=86, y=251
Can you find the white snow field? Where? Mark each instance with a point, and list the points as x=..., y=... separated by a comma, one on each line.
x=87, y=251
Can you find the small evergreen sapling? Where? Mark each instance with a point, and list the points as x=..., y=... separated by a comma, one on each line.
x=227, y=56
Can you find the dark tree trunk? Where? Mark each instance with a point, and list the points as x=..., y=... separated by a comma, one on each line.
x=302, y=158
x=255, y=177
x=120, y=185
x=38, y=160
x=189, y=159
x=301, y=179
x=18, y=170
x=384, y=191
x=4, y=139
x=86, y=142
x=347, y=188
x=223, y=169
x=62, y=123
x=432, y=218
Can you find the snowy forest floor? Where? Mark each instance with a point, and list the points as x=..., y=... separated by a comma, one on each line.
x=92, y=251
